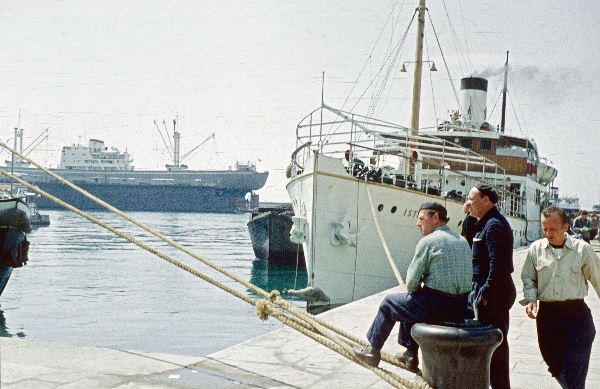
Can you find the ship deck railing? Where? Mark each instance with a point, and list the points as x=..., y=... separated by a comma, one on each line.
x=387, y=153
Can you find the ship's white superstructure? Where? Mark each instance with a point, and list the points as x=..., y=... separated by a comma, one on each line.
x=95, y=156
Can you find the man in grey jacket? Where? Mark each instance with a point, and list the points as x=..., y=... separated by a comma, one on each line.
x=438, y=282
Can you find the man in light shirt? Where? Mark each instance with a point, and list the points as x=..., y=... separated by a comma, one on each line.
x=556, y=272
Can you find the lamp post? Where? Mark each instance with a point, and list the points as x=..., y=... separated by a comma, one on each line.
x=414, y=120
x=432, y=68
x=416, y=104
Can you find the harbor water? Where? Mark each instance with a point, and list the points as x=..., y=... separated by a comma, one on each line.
x=86, y=286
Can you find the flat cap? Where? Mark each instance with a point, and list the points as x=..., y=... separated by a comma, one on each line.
x=437, y=207
x=489, y=191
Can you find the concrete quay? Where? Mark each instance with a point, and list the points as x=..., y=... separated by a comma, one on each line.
x=281, y=359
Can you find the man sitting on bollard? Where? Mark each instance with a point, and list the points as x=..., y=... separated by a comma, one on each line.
x=556, y=272
x=442, y=263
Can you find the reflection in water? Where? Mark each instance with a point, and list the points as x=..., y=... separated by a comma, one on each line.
x=86, y=286
x=4, y=330
x=273, y=277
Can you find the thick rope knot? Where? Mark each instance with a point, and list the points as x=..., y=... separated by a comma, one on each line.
x=263, y=309
x=274, y=295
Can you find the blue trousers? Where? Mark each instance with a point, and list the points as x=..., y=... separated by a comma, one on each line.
x=565, y=335
x=499, y=364
x=424, y=306
x=496, y=313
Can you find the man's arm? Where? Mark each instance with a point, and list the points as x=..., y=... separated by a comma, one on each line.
x=529, y=278
x=418, y=267
x=575, y=226
x=591, y=268
x=499, y=254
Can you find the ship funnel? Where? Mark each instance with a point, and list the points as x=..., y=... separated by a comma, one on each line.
x=473, y=98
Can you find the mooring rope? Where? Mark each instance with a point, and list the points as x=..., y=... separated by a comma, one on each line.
x=309, y=325
x=382, y=238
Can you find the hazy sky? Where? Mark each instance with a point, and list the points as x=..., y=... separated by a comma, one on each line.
x=251, y=70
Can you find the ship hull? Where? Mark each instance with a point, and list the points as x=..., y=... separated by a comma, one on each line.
x=344, y=248
x=156, y=198
x=188, y=191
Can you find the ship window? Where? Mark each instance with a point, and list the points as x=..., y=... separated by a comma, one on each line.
x=467, y=143
x=380, y=207
x=485, y=144
x=394, y=208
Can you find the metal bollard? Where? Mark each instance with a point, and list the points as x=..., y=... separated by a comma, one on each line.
x=457, y=355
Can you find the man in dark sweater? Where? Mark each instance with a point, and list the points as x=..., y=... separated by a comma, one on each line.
x=494, y=291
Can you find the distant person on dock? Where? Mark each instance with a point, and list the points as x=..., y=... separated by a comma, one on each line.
x=570, y=217
x=581, y=226
x=594, y=222
x=494, y=291
x=438, y=283
x=468, y=225
x=556, y=272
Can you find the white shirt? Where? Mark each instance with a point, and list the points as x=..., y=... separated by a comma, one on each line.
x=558, y=275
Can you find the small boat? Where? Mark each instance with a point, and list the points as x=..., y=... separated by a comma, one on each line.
x=15, y=202
x=14, y=220
x=36, y=218
x=18, y=198
x=269, y=229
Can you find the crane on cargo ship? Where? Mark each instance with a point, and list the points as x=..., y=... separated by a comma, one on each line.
x=177, y=165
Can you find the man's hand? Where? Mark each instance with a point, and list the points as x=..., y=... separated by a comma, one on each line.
x=531, y=309
x=484, y=302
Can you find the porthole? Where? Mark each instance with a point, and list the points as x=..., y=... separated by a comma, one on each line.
x=380, y=207
x=394, y=209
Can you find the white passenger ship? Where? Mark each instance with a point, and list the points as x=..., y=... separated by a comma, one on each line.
x=356, y=184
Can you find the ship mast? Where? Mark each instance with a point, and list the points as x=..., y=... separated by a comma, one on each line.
x=503, y=117
x=176, y=137
x=416, y=101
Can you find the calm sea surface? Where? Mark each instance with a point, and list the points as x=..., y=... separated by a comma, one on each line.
x=86, y=286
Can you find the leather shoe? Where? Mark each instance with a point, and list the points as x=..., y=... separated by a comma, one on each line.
x=411, y=362
x=368, y=354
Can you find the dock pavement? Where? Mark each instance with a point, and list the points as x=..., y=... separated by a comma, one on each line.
x=281, y=359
